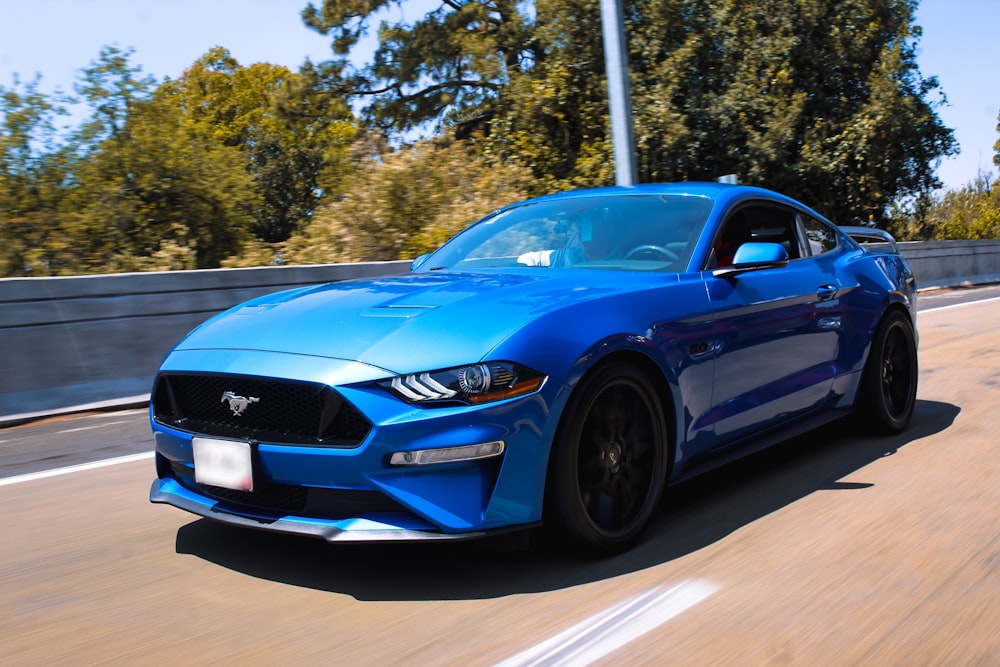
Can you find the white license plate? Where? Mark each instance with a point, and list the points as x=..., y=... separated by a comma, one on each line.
x=224, y=463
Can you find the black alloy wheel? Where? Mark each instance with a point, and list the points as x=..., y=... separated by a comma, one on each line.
x=609, y=461
x=889, y=389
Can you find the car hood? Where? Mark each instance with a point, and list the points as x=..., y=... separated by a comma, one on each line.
x=404, y=323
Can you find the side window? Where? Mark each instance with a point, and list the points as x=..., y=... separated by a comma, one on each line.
x=755, y=222
x=820, y=236
x=734, y=233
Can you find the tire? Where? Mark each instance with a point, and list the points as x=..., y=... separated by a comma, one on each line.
x=889, y=383
x=609, y=462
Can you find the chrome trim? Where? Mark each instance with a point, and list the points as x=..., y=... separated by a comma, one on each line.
x=238, y=404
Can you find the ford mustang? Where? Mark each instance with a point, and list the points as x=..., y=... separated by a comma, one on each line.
x=555, y=365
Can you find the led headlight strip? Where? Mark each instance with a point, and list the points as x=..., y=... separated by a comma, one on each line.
x=421, y=388
x=476, y=383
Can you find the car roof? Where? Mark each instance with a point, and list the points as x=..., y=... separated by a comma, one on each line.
x=718, y=191
x=688, y=188
x=723, y=193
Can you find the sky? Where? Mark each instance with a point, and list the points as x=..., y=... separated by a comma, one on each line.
x=56, y=38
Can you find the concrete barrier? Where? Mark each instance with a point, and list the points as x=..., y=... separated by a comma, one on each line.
x=88, y=341
x=938, y=264
x=67, y=343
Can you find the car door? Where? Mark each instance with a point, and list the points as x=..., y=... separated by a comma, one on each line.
x=777, y=329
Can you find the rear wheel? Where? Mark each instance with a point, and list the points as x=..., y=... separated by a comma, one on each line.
x=889, y=384
x=609, y=461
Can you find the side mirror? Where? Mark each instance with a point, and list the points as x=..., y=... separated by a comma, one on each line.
x=760, y=256
x=754, y=256
x=415, y=264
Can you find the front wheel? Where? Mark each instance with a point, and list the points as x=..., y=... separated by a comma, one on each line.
x=889, y=383
x=609, y=461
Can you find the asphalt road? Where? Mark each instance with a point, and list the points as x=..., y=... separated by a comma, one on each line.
x=836, y=548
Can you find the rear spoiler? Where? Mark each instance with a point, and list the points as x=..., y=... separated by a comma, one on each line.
x=871, y=235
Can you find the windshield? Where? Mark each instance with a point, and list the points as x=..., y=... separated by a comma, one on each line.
x=626, y=232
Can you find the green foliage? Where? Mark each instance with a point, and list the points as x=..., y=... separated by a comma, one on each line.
x=450, y=64
x=33, y=169
x=972, y=212
x=112, y=87
x=996, y=146
x=233, y=165
x=162, y=188
x=819, y=99
x=170, y=176
x=27, y=137
x=400, y=204
x=553, y=116
x=146, y=193
x=291, y=138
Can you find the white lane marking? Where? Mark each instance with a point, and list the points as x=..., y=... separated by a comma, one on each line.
x=30, y=477
x=90, y=428
x=958, y=305
x=599, y=635
x=104, y=414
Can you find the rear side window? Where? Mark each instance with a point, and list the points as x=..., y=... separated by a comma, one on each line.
x=820, y=236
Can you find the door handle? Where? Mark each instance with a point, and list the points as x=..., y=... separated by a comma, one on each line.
x=703, y=349
x=826, y=292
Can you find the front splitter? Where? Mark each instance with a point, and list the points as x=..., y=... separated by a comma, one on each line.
x=360, y=529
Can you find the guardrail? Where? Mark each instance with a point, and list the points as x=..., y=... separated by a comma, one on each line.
x=67, y=343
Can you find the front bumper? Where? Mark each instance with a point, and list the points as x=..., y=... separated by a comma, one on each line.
x=384, y=529
x=355, y=493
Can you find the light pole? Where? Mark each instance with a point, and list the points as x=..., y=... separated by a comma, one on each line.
x=619, y=95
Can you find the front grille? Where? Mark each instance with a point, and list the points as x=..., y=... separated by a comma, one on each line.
x=275, y=411
x=272, y=497
x=306, y=501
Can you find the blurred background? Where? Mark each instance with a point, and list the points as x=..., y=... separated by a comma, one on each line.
x=162, y=136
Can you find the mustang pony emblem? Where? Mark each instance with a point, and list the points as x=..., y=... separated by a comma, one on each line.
x=237, y=403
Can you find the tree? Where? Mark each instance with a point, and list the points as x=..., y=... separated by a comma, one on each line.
x=165, y=176
x=400, y=204
x=450, y=65
x=553, y=116
x=291, y=137
x=996, y=146
x=147, y=193
x=27, y=133
x=971, y=212
x=112, y=87
x=33, y=170
x=817, y=98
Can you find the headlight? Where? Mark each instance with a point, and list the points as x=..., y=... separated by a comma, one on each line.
x=476, y=383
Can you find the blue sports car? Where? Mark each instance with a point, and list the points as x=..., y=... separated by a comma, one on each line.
x=558, y=362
